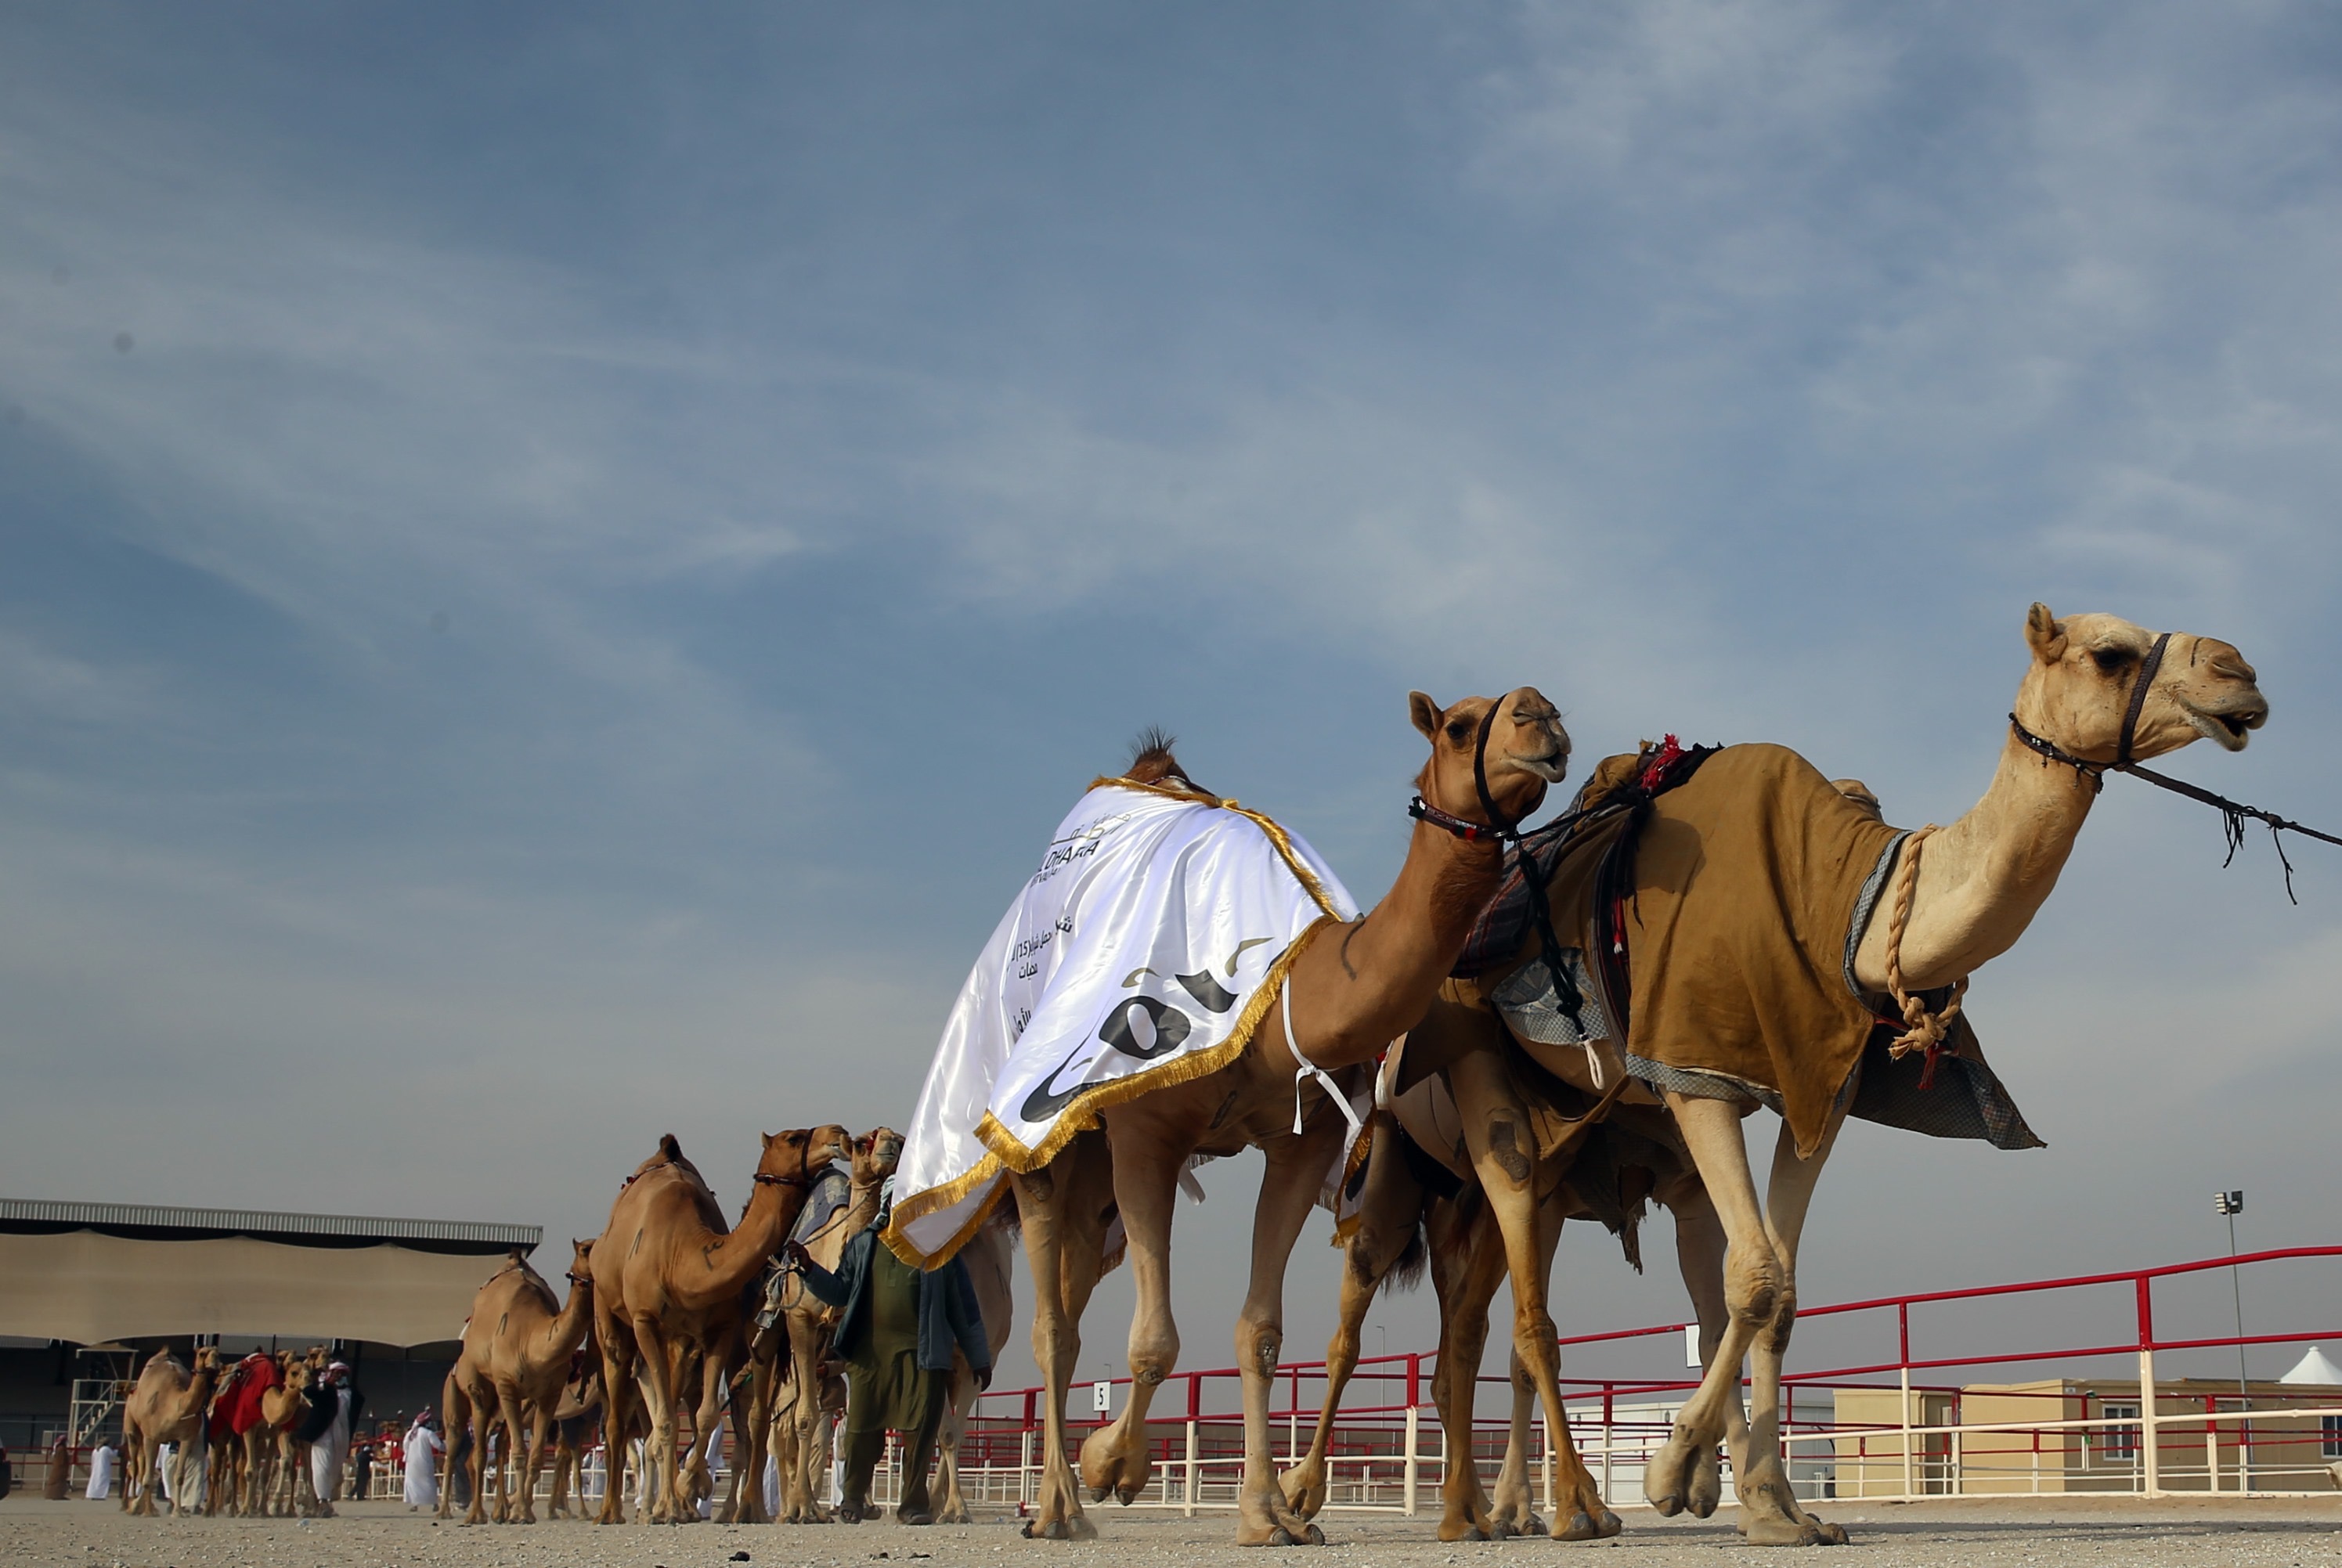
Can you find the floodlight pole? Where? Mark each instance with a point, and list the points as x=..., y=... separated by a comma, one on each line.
x=2231, y=1204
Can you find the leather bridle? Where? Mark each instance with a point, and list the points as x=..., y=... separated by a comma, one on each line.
x=2125, y=744
x=1502, y=827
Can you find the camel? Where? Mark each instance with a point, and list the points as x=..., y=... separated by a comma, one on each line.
x=671, y=1286
x=518, y=1344
x=989, y=1257
x=1434, y=1120
x=810, y=1327
x=2097, y=690
x=1403, y=1224
x=171, y=1405
x=1349, y=996
x=240, y=1472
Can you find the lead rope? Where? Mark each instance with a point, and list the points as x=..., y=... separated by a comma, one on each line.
x=1922, y=1030
x=1308, y=1069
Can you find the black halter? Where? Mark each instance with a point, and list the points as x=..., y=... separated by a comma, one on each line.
x=2125, y=744
x=1502, y=827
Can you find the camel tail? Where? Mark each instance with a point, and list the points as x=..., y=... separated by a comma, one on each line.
x=1407, y=1273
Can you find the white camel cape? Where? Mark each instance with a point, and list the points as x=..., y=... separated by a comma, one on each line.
x=1143, y=952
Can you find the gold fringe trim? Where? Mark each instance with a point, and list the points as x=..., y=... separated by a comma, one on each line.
x=987, y=1169
x=1079, y=1114
x=1275, y=835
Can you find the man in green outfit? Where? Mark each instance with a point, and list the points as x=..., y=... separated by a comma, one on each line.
x=896, y=1335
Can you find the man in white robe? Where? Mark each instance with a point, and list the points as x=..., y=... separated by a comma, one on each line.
x=101, y=1470
x=422, y=1448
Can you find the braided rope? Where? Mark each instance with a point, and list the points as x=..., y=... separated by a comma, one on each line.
x=1922, y=1030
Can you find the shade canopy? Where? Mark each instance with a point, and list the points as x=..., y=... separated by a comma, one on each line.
x=149, y=1272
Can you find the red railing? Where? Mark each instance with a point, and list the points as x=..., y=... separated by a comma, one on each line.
x=1923, y=1430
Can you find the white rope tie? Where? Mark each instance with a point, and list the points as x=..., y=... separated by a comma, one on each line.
x=1308, y=1070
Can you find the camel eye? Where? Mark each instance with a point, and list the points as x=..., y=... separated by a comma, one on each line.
x=1459, y=731
x=2110, y=661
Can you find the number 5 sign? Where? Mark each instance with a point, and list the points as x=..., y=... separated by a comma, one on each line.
x=1102, y=1398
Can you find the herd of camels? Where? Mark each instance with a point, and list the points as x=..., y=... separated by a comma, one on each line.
x=1484, y=1143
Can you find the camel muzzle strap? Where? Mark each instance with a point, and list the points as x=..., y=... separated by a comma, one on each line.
x=1308, y=1070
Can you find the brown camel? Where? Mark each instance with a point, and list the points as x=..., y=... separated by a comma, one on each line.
x=1348, y=995
x=671, y=1289
x=2097, y=690
x=171, y=1405
x=518, y=1344
x=1405, y=1222
x=277, y=1461
x=811, y=1327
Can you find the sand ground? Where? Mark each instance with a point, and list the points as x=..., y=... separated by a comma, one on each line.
x=2095, y=1530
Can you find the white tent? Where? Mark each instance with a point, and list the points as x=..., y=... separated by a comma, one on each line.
x=2314, y=1368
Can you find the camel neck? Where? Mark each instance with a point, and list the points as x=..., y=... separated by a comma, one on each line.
x=734, y=1259
x=1357, y=990
x=1984, y=878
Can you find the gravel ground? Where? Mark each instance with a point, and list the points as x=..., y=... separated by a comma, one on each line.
x=2108, y=1531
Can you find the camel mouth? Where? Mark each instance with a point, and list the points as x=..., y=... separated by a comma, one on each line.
x=2230, y=732
x=1552, y=767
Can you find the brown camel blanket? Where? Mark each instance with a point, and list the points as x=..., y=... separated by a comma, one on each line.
x=1749, y=885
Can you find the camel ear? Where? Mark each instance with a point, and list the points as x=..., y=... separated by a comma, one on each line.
x=2046, y=638
x=1425, y=713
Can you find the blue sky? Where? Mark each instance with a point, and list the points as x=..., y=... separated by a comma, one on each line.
x=557, y=562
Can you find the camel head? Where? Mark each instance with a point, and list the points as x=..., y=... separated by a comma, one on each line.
x=875, y=1155
x=208, y=1358
x=793, y=1157
x=2079, y=687
x=581, y=1263
x=1527, y=750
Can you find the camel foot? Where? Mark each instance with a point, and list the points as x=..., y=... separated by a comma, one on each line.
x=955, y=1516
x=1598, y=1525
x=1074, y=1528
x=1278, y=1535
x=1467, y=1529
x=1807, y=1532
x=1304, y=1486
x=1706, y=1483
x=1668, y=1478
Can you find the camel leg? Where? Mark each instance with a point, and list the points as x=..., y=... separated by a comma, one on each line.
x=654, y=1374
x=1513, y=1511
x=807, y=1340
x=1390, y=1210
x=619, y=1356
x=518, y=1505
x=954, y=1509
x=1058, y=1207
x=1288, y=1191
x=1700, y=1254
x=1496, y=1131
x=751, y=1420
x=1146, y=1183
x=1465, y=1269
x=1770, y=1512
x=715, y=1380
x=1760, y=1297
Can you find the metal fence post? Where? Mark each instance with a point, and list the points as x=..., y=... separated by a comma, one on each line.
x=1195, y=1413
x=1414, y=1398
x=2147, y=1403
x=1903, y=1354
